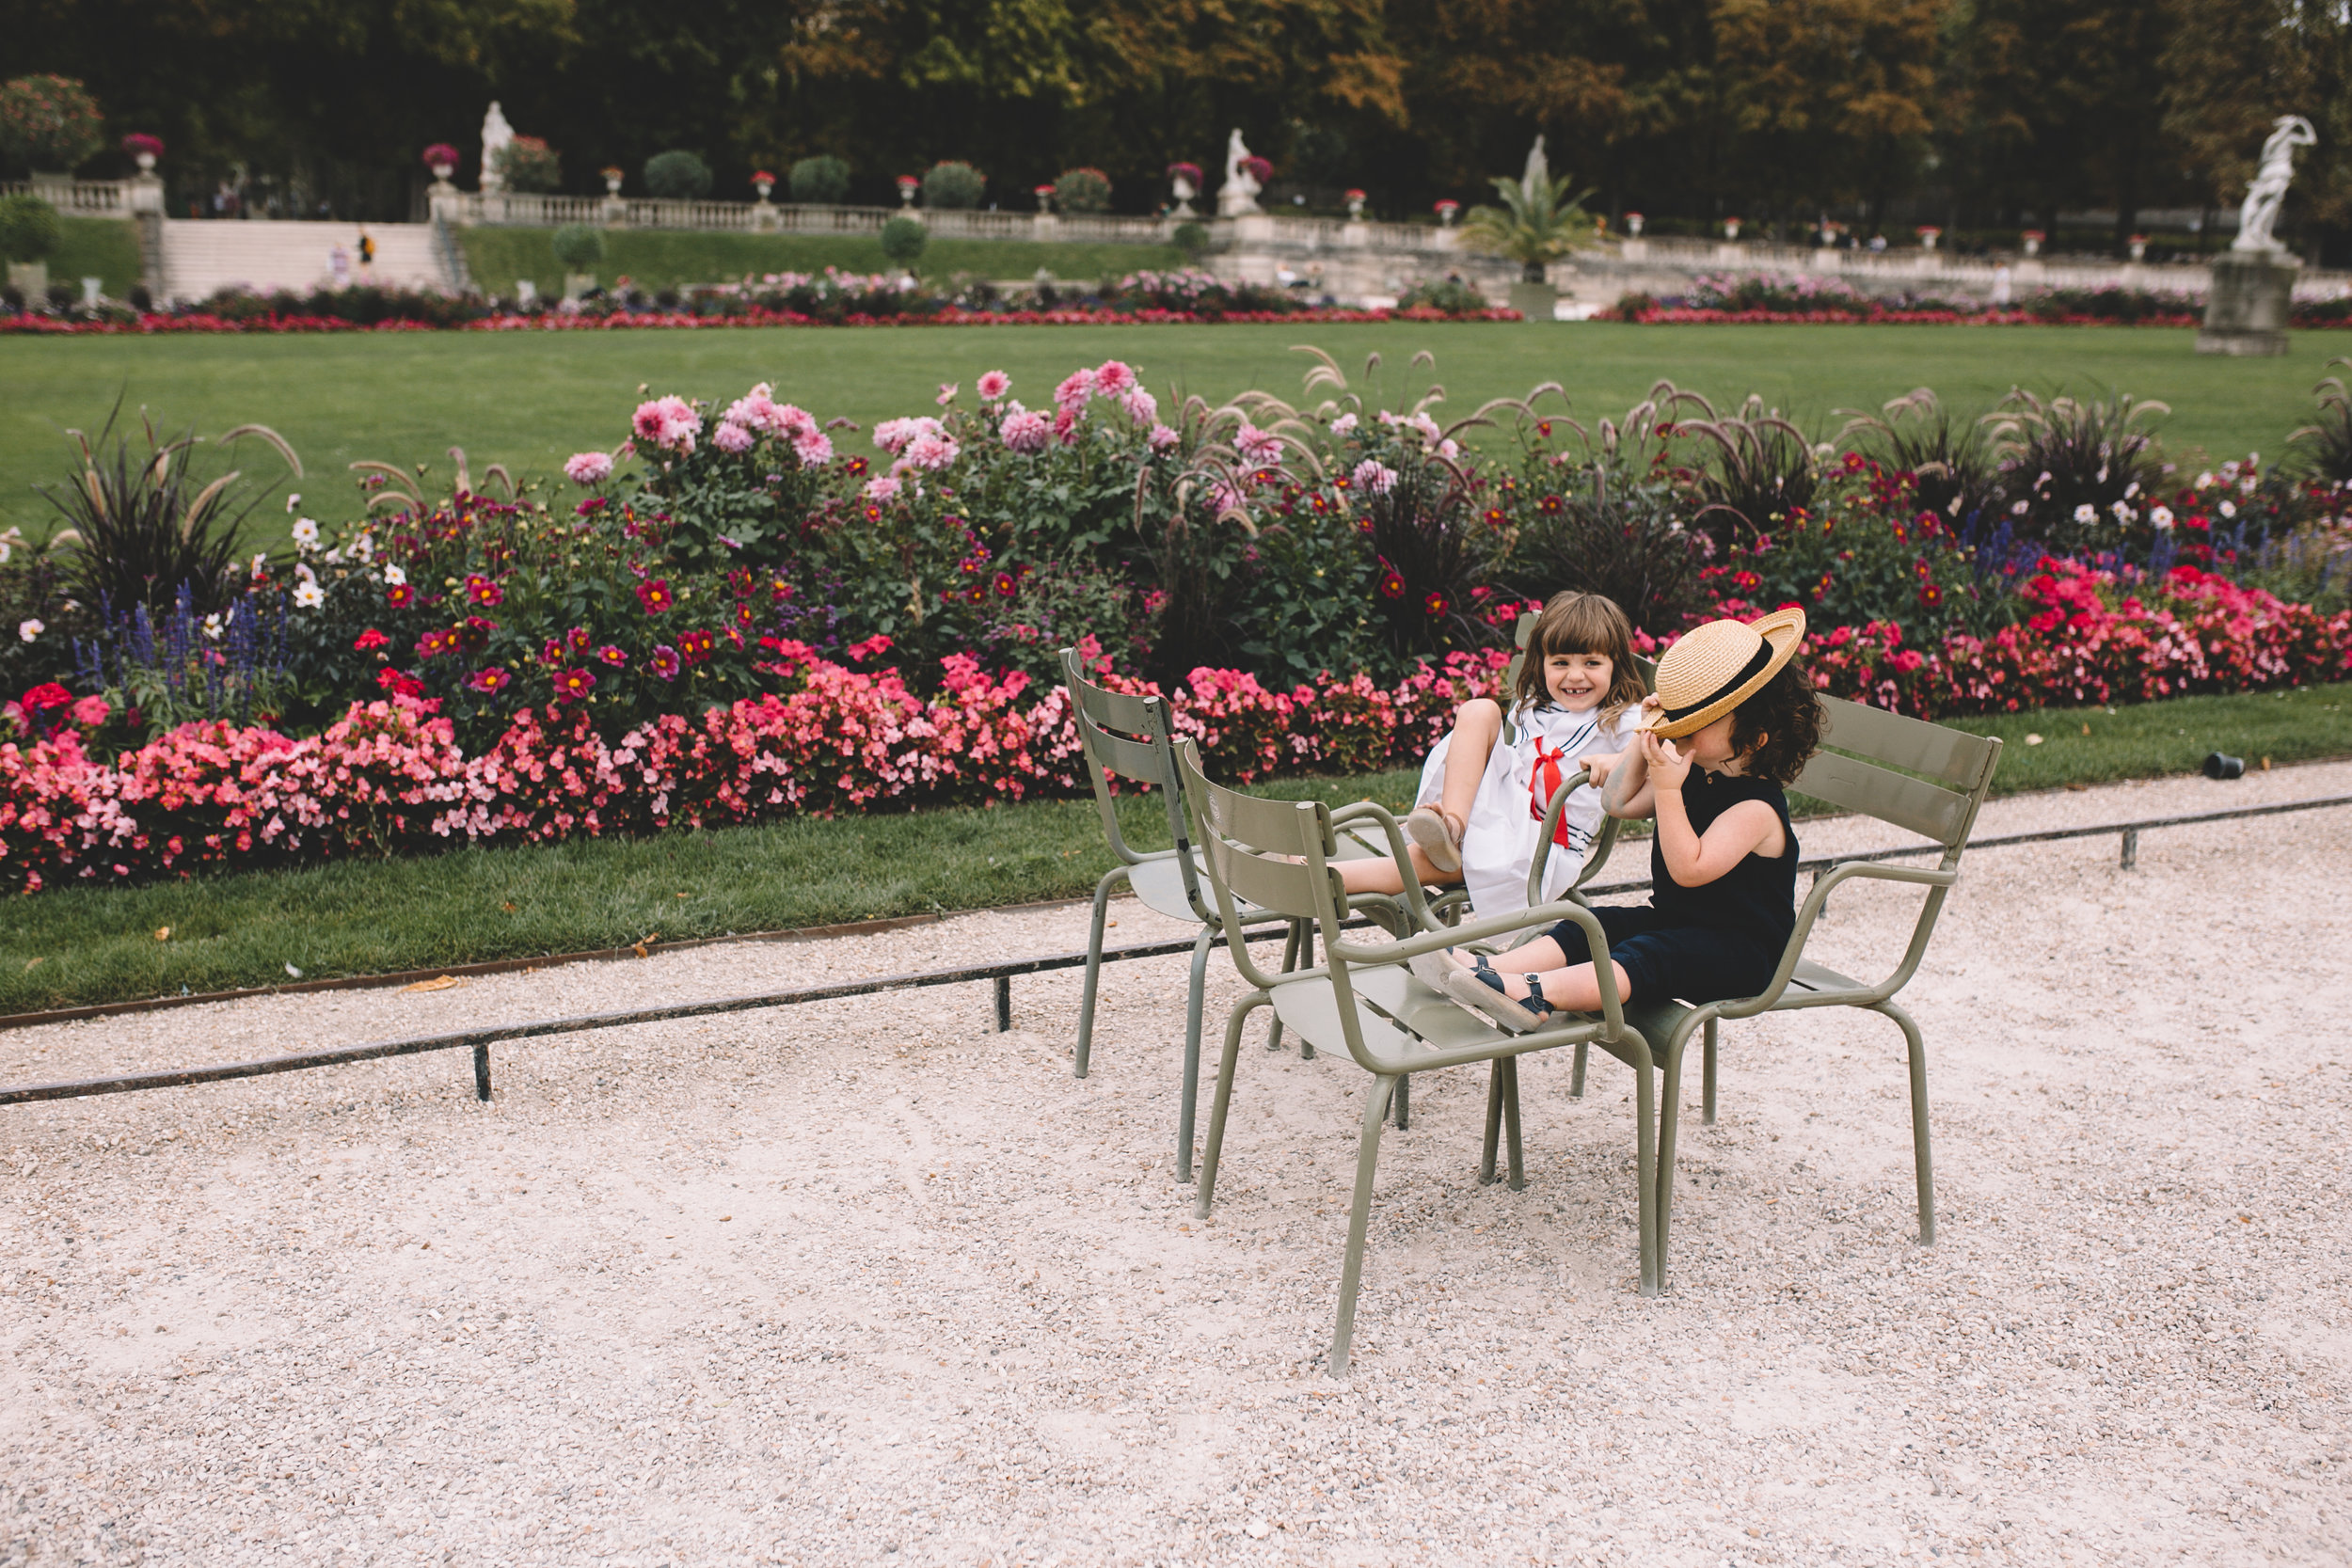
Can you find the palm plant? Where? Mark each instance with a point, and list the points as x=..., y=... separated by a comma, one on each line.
x=1535, y=226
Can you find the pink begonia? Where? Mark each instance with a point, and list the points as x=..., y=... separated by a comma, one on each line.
x=1256, y=445
x=814, y=448
x=1141, y=407
x=670, y=423
x=588, y=467
x=947, y=391
x=1075, y=388
x=90, y=712
x=731, y=436
x=994, y=385
x=932, y=452
x=1025, y=430
x=1113, y=378
x=882, y=488
x=1163, y=438
x=1374, y=478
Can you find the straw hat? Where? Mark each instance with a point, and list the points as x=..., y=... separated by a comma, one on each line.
x=1716, y=667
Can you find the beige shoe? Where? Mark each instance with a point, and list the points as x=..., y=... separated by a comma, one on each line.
x=1438, y=835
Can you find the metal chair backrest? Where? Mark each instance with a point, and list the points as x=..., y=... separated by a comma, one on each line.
x=1129, y=736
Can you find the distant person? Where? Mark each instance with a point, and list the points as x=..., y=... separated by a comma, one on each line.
x=367, y=255
x=2000, y=285
x=1877, y=244
x=338, y=263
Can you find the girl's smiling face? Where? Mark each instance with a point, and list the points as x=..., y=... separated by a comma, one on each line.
x=1578, y=682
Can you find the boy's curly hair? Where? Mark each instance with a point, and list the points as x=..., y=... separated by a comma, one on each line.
x=1774, y=731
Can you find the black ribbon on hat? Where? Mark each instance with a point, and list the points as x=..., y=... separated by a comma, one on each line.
x=1748, y=672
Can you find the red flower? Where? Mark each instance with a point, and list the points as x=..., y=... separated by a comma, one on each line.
x=588, y=507
x=874, y=644
x=399, y=595
x=48, y=694
x=1392, y=586
x=656, y=595
x=397, y=684
x=490, y=680
x=612, y=655
x=1747, y=582
x=1435, y=604
x=663, y=662
x=1363, y=525
x=551, y=651
x=1007, y=585
x=697, y=646
x=855, y=468
x=577, y=640
x=481, y=590
x=1930, y=596
x=743, y=612
x=1495, y=517
x=574, y=682
x=369, y=641
x=432, y=644
x=475, y=634
x=1550, y=506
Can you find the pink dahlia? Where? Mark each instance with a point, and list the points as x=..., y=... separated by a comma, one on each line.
x=1075, y=388
x=663, y=662
x=1112, y=377
x=814, y=448
x=1025, y=430
x=1256, y=445
x=732, y=437
x=1374, y=478
x=882, y=488
x=1163, y=438
x=994, y=385
x=670, y=423
x=1141, y=407
x=932, y=452
x=588, y=467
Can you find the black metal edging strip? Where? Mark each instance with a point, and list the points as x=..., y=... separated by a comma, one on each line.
x=480, y=1039
x=1001, y=973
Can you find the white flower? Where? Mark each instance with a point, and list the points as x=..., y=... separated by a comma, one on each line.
x=2018, y=510
x=2161, y=516
x=2246, y=485
x=2203, y=479
x=2132, y=489
x=213, y=627
x=394, y=577
x=261, y=564
x=2043, y=479
x=310, y=595
x=363, y=548
x=293, y=501
x=2086, y=513
x=302, y=570
x=2122, y=511
x=306, y=534
x=30, y=629
x=2228, y=508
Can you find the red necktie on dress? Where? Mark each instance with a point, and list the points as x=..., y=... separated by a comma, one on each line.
x=1544, y=785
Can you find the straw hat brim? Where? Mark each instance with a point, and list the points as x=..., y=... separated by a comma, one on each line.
x=1782, y=632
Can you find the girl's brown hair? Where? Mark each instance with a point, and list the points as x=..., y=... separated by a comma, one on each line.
x=1775, y=731
x=1582, y=623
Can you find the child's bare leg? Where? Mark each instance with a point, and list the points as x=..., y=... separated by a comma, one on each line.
x=1381, y=875
x=1476, y=725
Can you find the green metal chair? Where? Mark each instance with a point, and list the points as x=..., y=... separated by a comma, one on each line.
x=1859, y=774
x=1362, y=1000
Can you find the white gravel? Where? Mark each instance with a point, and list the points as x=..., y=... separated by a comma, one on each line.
x=858, y=1283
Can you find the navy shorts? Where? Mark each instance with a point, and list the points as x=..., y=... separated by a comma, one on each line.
x=1661, y=959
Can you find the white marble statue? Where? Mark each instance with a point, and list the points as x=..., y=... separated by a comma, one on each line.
x=1535, y=179
x=495, y=134
x=2259, y=215
x=1238, y=196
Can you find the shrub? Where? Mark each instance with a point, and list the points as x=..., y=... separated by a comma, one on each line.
x=1606, y=526
x=1759, y=466
x=2323, y=449
x=678, y=176
x=822, y=181
x=29, y=228
x=903, y=239
x=1916, y=433
x=1450, y=295
x=50, y=123
x=2064, y=465
x=578, y=246
x=530, y=165
x=953, y=185
x=1083, y=190
x=1192, y=239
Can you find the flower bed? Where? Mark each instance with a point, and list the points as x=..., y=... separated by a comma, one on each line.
x=30, y=324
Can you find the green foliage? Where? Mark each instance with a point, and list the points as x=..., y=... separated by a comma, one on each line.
x=2056, y=456
x=529, y=164
x=1083, y=190
x=1531, y=228
x=953, y=184
x=29, y=228
x=1192, y=239
x=822, y=181
x=50, y=123
x=678, y=176
x=2323, y=449
x=578, y=246
x=103, y=248
x=1605, y=526
x=1443, y=293
x=903, y=239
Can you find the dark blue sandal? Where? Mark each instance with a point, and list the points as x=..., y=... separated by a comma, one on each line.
x=1482, y=989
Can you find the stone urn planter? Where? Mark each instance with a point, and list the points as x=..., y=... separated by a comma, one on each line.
x=1445, y=211
x=1535, y=301
x=2032, y=239
x=1356, y=206
x=1928, y=234
x=613, y=177
x=1731, y=228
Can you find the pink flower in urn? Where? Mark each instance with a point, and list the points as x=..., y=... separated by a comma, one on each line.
x=440, y=157
x=732, y=437
x=1026, y=430
x=994, y=385
x=588, y=467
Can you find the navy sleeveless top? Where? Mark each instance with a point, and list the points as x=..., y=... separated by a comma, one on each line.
x=1759, y=896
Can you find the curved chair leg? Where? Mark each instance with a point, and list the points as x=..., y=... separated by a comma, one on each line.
x=1194, y=1000
x=1358, y=1217
x=1575, y=1075
x=1290, y=961
x=1707, y=1067
x=1094, y=967
x=1210, y=1155
x=1922, y=1151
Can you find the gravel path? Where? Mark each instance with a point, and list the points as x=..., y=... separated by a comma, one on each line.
x=852, y=1283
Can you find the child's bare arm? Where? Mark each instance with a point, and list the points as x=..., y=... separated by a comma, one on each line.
x=1599, y=766
x=1627, y=793
x=1694, y=859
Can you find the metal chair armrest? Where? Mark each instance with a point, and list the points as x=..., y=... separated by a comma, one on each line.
x=1415, y=900
x=1936, y=878
x=1596, y=940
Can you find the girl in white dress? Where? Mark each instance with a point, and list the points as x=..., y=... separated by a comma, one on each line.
x=1480, y=810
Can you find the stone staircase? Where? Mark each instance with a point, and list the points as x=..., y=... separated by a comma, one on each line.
x=203, y=256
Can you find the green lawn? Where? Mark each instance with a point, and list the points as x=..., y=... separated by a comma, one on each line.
x=529, y=400
x=72, y=946
x=656, y=259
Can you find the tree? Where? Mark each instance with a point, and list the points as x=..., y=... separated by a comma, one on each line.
x=2231, y=68
x=1532, y=226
